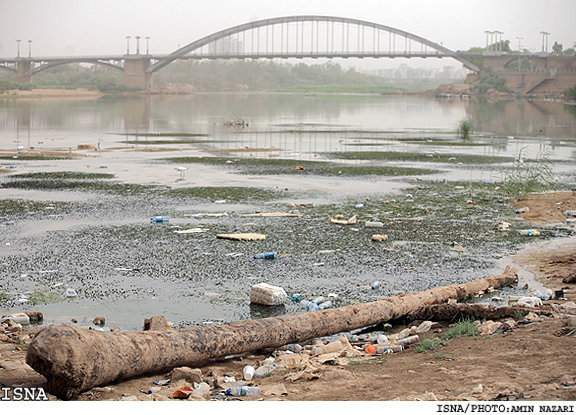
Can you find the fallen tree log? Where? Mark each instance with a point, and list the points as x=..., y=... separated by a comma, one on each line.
x=74, y=360
x=455, y=312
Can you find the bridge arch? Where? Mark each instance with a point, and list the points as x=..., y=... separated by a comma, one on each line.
x=66, y=62
x=279, y=21
x=8, y=69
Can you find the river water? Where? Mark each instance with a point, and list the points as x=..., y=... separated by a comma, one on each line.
x=130, y=138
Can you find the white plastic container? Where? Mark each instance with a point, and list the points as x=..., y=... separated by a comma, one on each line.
x=248, y=372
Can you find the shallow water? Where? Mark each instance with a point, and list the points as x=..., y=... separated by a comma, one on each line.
x=90, y=236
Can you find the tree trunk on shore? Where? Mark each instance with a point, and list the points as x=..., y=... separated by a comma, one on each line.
x=74, y=360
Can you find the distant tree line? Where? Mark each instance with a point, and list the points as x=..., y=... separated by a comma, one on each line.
x=219, y=76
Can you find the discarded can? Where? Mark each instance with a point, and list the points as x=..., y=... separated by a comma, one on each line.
x=160, y=219
x=374, y=224
x=529, y=232
x=266, y=255
x=558, y=294
x=243, y=391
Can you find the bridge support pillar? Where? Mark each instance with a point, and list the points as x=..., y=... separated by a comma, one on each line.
x=135, y=75
x=22, y=69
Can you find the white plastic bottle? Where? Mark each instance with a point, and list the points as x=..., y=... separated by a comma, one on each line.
x=529, y=232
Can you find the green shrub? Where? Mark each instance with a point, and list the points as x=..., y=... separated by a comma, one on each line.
x=428, y=345
x=461, y=329
x=464, y=129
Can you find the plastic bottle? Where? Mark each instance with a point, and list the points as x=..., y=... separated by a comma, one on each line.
x=266, y=255
x=529, y=232
x=264, y=370
x=160, y=219
x=154, y=390
x=311, y=306
x=243, y=391
x=248, y=372
x=409, y=339
x=382, y=339
x=374, y=224
x=17, y=318
x=522, y=210
x=318, y=300
x=296, y=348
x=359, y=206
x=296, y=297
x=375, y=285
x=324, y=305
x=570, y=213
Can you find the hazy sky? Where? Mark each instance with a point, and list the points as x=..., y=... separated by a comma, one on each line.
x=88, y=27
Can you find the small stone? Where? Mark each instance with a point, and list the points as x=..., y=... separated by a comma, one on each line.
x=187, y=373
x=478, y=389
x=155, y=323
x=99, y=321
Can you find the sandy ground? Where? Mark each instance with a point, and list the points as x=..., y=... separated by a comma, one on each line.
x=533, y=360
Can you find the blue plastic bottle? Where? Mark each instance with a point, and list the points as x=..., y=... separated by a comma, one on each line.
x=160, y=219
x=266, y=255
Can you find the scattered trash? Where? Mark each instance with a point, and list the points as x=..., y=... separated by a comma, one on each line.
x=379, y=238
x=162, y=382
x=267, y=294
x=248, y=372
x=529, y=232
x=375, y=285
x=243, y=391
x=154, y=389
x=265, y=370
x=570, y=213
x=470, y=202
x=182, y=393
x=296, y=297
x=530, y=301
x=220, y=201
x=70, y=293
x=522, y=210
x=274, y=214
x=318, y=264
x=266, y=255
x=374, y=224
x=187, y=373
x=502, y=226
x=242, y=236
x=235, y=254
x=19, y=318
x=359, y=206
x=310, y=305
x=192, y=230
x=558, y=294
x=208, y=215
x=338, y=219
x=160, y=219
x=105, y=329
x=297, y=168
x=324, y=305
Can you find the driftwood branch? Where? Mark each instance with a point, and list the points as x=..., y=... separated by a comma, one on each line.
x=74, y=360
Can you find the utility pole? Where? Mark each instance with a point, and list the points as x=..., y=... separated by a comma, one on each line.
x=127, y=45
x=18, y=45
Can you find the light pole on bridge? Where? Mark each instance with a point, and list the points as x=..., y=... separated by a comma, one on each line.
x=147, y=40
x=128, y=45
x=29, y=48
x=137, y=45
x=499, y=46
x=18, y=45
x=545, y=36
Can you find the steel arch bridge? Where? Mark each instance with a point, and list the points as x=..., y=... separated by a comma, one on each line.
x=310, y=37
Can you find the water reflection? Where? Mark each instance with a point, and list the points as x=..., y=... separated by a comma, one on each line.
x=284, y=120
